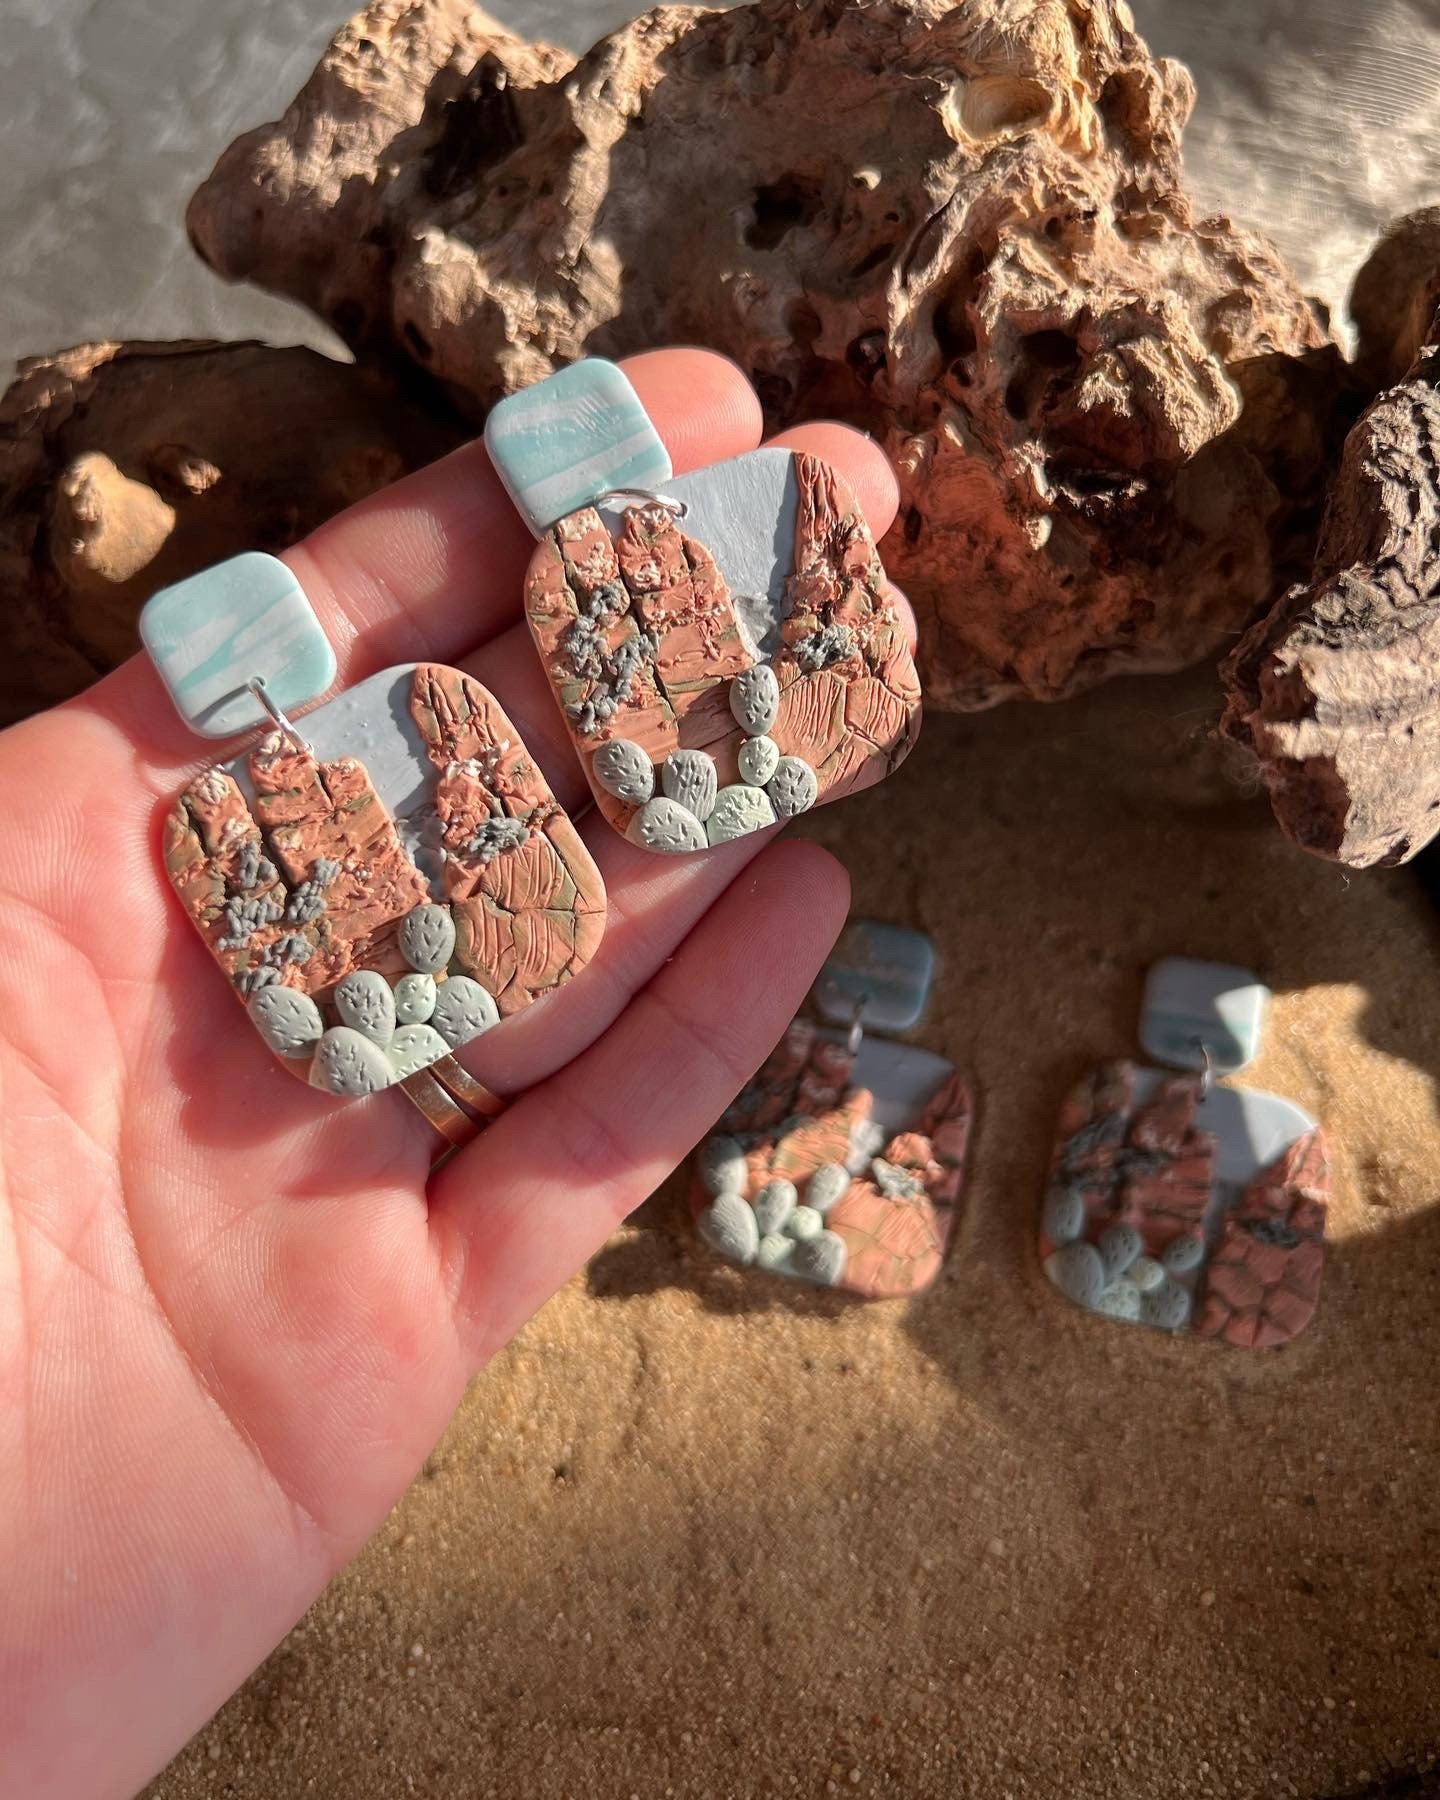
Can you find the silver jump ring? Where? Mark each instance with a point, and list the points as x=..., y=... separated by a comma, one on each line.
x=286, y=725
x=1207, y=1077
x=646, y=497
x=857, y=1030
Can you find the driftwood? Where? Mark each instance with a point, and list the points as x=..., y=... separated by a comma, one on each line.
x=1337, y=692
x=961, y=226
x=124, y=467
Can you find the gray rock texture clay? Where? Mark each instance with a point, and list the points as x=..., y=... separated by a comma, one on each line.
x=755, y=699
x=415, y=1047
x=624, y=770
x=793, y=788
x=414, y=999
x=728, y=1225
x=737, y=812
x=289, y=1022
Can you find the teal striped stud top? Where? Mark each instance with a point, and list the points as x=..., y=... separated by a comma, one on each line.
x=578, y=434
x=212, y=634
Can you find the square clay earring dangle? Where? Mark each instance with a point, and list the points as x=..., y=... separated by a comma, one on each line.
x=1181, y=1205
x=382, y=883
x=726, y=652
x=841, y=1164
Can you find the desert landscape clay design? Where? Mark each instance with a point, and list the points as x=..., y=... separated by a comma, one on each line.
x=792, y=1181
x=358, y=965
x=1140, y=1223
x=690, y=733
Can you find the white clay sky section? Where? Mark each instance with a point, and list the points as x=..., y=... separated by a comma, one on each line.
x=744, y=512
x=1251, y=1129
x=372, y=723
x=904, y=1080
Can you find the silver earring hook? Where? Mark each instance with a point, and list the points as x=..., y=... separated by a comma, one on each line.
x=284, y=724
x=644, y=497
x=1207, y=1077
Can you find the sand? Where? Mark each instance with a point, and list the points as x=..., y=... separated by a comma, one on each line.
x=698, y=1536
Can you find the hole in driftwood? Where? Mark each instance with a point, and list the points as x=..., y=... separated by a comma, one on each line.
x=1045, y=365
x=479, y=127
x=779, y=208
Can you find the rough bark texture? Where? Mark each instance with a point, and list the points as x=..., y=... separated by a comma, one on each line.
x=960, y=226
x=1336, y=691
x=1395, y=295
x=126, y=467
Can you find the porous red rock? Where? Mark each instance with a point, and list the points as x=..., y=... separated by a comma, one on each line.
x=1333, y=692
x=126, y=467
x=962, y=226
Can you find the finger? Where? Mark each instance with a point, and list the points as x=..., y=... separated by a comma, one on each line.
x=520, y=1211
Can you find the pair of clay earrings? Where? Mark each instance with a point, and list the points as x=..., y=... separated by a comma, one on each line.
x=391, y=877
x=1172, y=1202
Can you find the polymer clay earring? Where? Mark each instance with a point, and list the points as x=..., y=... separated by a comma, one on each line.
x=726, y=652
x=1181, y=1205
x=383, y=886
x=841, y=1164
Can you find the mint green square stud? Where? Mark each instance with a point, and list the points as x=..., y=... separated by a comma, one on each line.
x=213, y=634
x=1194, y=1010
x=579, y=434
x=878, y=976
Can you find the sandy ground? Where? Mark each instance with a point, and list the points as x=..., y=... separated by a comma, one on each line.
x=696, y=1536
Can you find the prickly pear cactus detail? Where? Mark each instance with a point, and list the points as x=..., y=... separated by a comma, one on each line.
x=353, y=970
x=662, y=682
x=1138, y=1224
x=781, y=1184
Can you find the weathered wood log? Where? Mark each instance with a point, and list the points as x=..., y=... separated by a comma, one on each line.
x=126, y=466
x=961, y=226
x=1337, y=692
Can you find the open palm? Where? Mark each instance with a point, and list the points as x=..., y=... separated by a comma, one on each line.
x=234, y=1316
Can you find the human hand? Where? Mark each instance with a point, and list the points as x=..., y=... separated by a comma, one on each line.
x=234, y=1318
